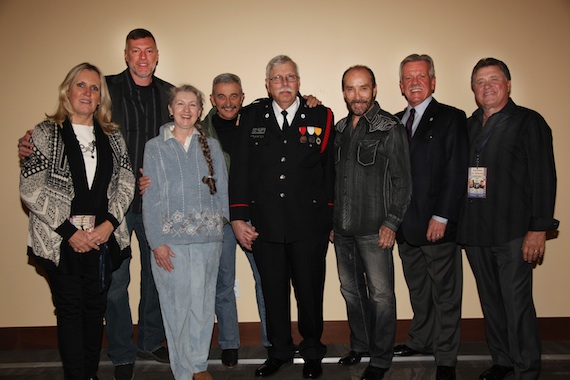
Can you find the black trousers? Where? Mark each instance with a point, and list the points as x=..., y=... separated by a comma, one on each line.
x=434, y=275
x=80, y=306
x=504, y=282
x=302, y=264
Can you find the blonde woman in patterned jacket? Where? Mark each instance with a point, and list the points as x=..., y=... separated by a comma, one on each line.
x=78, y=184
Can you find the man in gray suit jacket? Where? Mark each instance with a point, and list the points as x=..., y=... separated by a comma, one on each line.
x=426, y=238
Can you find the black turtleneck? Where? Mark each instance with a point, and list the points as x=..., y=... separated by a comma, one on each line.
x=227, y=131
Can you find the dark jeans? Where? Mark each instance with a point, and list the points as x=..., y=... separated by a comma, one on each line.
x=119, y=326
x=366, y=274
x=80, y=307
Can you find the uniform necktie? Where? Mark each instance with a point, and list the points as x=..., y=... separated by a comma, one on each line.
x=410, y=123
x=285, y=122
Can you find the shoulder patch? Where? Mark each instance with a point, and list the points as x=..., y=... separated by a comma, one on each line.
x=382, y=123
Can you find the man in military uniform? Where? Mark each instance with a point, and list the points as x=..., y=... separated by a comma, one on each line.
x=281, y=193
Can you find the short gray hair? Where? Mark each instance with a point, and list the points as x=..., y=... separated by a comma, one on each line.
x=279, y=60
x=416, y=58
x=227, y=78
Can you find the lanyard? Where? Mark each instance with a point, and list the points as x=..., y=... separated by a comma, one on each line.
x=483, y=140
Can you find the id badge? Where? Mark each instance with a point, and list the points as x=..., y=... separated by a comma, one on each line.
x=477, y=182
x=83, y=222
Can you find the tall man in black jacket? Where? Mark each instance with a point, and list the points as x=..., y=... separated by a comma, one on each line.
x=140, y=102
x=281, y=181
x=426, y=239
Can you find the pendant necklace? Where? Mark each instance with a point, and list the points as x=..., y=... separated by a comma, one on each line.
x=90, y=148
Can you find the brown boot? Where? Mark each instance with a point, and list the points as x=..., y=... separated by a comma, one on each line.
x=205, y=375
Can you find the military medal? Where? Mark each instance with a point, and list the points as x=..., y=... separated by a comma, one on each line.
x=311, y=132
x=318, y=131
x=303, y=138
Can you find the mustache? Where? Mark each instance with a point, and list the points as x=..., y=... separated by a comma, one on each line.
x=284, y=89
x=232, y=107
x=358, y=101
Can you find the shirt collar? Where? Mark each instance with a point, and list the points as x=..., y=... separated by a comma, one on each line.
x=291, y=111
x=373, y=111
x=169, y=135
x=420, y=108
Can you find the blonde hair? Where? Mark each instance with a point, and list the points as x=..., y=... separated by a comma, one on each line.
x=103, y=111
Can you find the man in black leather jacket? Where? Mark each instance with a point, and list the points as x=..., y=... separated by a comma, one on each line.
x=372, y=191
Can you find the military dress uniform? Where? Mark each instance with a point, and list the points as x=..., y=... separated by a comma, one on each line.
x=282, y=182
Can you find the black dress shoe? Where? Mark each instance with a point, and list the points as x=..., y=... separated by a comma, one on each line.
x=312, y=369
x=160, y=355
x=270, y=366
x=230, y=357
x=496, y=372
x=373, y=373
x=352, y=358
x=445, y=373
x=403, y=350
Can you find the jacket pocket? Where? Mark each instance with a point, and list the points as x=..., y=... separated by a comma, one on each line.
x=337, y=153
x=367, y=151
x=261, y=153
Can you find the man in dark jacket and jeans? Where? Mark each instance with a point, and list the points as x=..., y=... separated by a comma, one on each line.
x=372, y=191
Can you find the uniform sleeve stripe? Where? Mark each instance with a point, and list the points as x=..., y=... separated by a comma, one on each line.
x=239, y=205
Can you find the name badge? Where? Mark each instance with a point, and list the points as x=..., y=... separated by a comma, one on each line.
x=477, y=182
x=258, y=133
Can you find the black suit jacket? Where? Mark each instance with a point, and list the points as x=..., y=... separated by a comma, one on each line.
x=439, y=154
x=279, y=181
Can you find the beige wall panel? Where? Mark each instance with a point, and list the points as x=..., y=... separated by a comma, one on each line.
x=42, y=40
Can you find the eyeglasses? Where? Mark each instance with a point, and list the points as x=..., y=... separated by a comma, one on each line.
x=288, y=78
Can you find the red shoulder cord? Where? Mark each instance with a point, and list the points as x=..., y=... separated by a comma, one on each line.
x=327, y=130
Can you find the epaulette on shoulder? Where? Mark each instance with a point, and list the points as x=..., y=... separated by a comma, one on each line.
x=261, y=101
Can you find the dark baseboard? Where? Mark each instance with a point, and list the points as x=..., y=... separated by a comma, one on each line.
x=335, y=332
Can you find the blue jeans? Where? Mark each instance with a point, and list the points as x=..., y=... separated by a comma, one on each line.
x=226, y=310
x=259, y=297
x=187, y=298
x=119, y=322
x=366, y=274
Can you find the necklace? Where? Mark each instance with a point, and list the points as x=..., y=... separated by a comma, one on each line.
x=90, y=148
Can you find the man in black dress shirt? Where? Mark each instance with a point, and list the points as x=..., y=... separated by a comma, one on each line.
x=503, y=223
